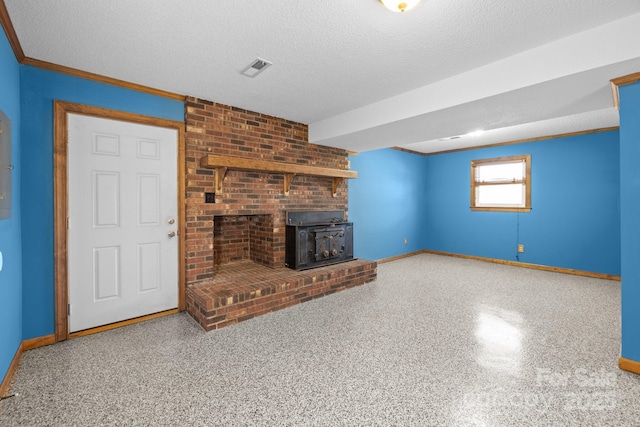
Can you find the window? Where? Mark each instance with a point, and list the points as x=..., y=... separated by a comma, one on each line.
x=502, y=184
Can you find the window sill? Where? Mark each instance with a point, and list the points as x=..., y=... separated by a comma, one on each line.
x=489, y=209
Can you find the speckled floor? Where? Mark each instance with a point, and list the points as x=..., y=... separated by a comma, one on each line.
x=436, y=341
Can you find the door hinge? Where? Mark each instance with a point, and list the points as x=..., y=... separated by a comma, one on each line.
x=68, y=309
x=67, y=223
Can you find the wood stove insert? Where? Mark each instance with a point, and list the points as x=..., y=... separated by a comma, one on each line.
x=317, y=238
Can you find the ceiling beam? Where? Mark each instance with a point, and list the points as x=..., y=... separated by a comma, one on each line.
x=588, y=53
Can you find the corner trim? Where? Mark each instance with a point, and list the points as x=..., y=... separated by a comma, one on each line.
x=626, y=80
x=8, y=378
x=38, y=342
x=629, y=365
x=621, y=81
x=615, y=93
x=10, y=31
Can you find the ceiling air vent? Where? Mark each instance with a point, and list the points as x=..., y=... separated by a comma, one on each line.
x=256, y=67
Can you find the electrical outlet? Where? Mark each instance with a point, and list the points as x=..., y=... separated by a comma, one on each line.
x=406, y=240
x=520, y=248
x=209, y=197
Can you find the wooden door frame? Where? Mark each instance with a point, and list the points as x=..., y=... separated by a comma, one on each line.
x=61, y=111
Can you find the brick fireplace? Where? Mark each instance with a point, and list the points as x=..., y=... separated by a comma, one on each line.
x=235, y=247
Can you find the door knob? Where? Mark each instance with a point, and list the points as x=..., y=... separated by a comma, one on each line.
x=171, y=220
x=172, y=233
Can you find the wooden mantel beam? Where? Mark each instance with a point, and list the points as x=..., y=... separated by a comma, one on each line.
x=223, y=163
x=239, y=163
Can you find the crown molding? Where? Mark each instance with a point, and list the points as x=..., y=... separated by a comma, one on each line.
x=100, y=78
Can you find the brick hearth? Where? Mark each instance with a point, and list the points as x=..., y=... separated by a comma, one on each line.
x=242, y=291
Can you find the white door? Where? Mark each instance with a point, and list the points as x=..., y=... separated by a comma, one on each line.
x=122, y=243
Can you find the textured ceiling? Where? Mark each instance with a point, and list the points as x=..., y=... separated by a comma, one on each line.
x=361, y=77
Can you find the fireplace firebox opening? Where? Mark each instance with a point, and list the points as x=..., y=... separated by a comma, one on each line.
x=243, y=238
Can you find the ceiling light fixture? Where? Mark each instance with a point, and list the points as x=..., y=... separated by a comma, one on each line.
x=399, y=5
x=475, y=133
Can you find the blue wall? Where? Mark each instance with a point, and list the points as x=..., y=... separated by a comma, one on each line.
x=630, y=219
x=39, y=88
x=10, y=241
x=384, y=203
x=575, y=197
x=574, y=222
